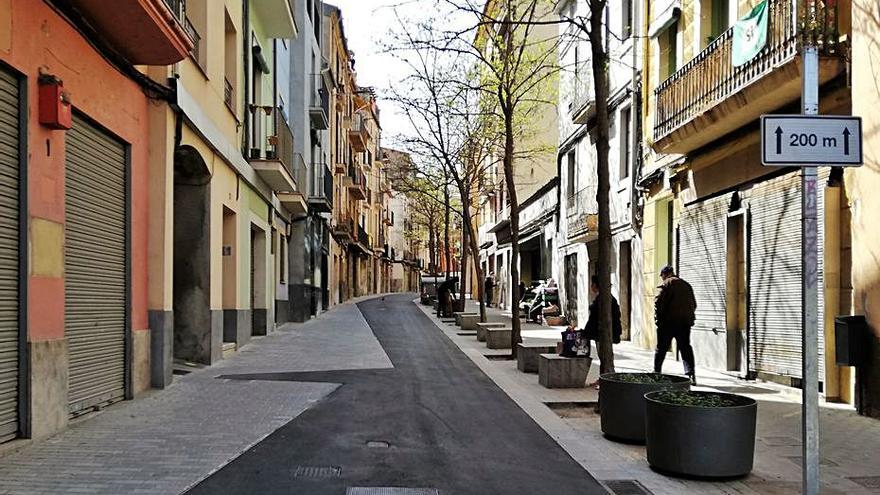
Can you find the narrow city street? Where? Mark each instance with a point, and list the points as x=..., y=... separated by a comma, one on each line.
x=434, y=421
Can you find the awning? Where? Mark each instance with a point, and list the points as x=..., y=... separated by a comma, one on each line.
x=486, y=245
x=669, y=13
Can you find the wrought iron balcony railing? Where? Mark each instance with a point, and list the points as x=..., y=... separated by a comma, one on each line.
x=710, y=77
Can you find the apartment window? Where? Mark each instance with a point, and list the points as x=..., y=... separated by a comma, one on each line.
x=625, y=128
x=626, y=19
x=570, y=179
x=230, y=80
x=720, y=18
x=196, y=25
x=669, y=51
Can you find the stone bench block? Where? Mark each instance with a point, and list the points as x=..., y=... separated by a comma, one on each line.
x=469, y=322
x=482, y=327
x=555, y=371
x=457, y=315
x=527, y=355
x=498, y=338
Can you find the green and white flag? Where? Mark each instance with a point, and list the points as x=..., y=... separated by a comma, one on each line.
x=750, y=35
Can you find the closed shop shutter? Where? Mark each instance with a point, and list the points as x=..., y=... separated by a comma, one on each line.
x=702, y=262
x=775, y=306
x=94, y=265
x=9, y=276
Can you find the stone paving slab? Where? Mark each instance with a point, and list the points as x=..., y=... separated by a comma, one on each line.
x=170, y=440
x=848, y=442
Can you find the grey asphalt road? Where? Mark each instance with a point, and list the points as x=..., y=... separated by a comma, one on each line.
x=434, y=421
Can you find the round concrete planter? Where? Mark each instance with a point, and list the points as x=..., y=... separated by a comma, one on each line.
x=700, y=440
x=622, y=402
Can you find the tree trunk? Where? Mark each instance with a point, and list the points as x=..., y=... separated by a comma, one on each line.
x=470, y=245
x=463, y=264
x=515, y=334
x=432, y=252
x=600, y=82
x=447, y=212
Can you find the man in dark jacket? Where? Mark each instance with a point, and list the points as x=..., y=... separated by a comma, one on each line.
x=674, y=309
x=591, y=330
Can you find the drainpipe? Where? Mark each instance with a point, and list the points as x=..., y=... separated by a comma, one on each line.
x=246, y=51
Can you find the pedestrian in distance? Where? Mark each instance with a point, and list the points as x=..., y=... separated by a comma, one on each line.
x=488, y=288
x=674, y=315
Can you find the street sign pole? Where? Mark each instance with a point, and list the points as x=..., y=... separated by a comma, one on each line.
x=809, y=281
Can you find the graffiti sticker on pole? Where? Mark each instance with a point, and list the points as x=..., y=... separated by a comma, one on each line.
x=811, y=140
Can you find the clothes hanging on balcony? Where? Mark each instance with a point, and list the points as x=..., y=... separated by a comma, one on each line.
x=750, y=35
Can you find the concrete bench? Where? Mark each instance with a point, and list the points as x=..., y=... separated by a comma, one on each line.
x=498, y=338
x=469, y=322
x=527, y=355
x=482, y=327
x=555, y=371
x=457, y=315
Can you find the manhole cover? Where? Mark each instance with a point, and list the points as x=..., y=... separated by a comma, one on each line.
x=388, y=490
x=626, y=487
x=867, y=481
x=378, y=444
x=317, y=472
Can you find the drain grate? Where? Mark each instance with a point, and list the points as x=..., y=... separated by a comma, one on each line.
x=626, y=487
x=872, y=482
x=389, y=490
x=822, y=462
x=317, y=472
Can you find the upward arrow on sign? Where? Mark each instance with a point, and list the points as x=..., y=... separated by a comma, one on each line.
x=779, y=140
x=845, y=141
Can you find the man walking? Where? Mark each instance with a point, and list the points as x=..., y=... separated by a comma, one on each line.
x=674, y=309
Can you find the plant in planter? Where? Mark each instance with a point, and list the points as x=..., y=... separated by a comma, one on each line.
x=705, y=434
x=622, y=401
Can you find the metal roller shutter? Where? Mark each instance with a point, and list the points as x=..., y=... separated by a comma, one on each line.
x=94, y=265
x=9, y=238
x=703, y=260
x=775, y=306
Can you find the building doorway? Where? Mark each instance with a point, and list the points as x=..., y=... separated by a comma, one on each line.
x=737, y=293
x=259, y=301
x=624, y=275
x=194, y=337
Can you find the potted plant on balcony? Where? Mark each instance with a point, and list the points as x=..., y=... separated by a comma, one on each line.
x=622, y=401
x=704, y=434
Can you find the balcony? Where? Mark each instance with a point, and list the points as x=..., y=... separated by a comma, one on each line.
x=321, y=189
x=583, y=101
x=344, y=229
x=709, y=97
x=319, y=107
x=363, y=238
x=229, y=95
x=358, y=134
x=583, y=214
x=270, y=149
x=275, y=17
x=198, y=50
x=145, y=32
x=354, y=181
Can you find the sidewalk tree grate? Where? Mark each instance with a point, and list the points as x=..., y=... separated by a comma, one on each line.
x=872, y=482
x=389, y=490
x=626, y=487
x=317, y=472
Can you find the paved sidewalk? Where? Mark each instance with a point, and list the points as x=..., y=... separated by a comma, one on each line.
x=172, y=439
x=848, y=441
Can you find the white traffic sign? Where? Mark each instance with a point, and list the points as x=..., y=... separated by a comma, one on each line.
x=818, y=140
